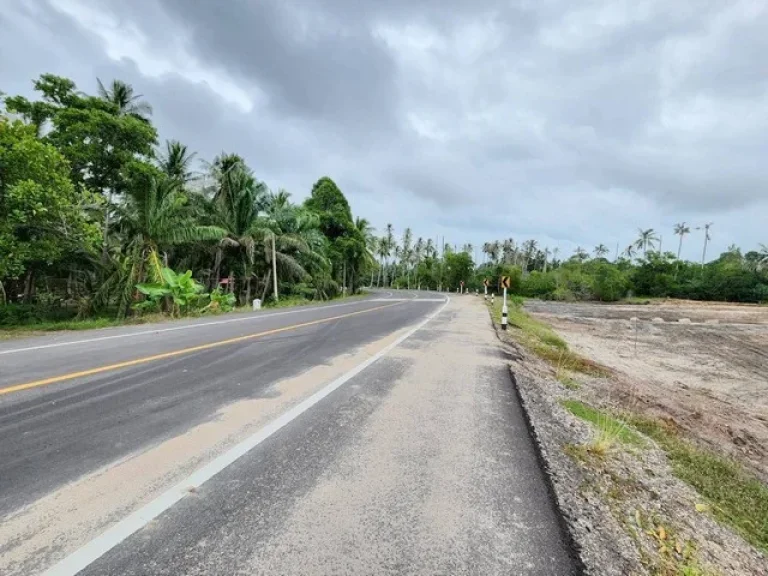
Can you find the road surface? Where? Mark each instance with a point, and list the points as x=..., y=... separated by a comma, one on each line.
x=375, y=436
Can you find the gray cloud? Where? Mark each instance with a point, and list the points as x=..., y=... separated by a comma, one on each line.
x=572, y=123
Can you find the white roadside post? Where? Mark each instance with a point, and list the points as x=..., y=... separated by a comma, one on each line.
x=485, y=290
x=504, y=311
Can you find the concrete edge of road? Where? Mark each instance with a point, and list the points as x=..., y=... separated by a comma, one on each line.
x=592, y=555
x=566, y=521
x=123, y=529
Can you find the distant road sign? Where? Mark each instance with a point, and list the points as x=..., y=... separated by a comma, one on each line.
x=505, y=281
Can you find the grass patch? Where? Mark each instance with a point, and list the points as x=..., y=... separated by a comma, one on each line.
x=609, y=429
x=85, y=324
x=737, y=498
x=543, y=341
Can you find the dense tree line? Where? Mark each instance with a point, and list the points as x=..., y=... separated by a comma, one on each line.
x=97, y=218
x=641, y=269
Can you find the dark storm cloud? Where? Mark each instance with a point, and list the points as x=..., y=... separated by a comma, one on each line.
x=337, y=75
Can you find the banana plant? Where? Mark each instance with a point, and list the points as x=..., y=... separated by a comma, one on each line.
x=181, y=290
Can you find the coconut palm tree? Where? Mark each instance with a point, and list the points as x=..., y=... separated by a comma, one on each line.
x=681, y=230
x=493, y=250
x=529, y=247
x=127, y=102
x=762, y=262
x=601, y=250
x=152, y=220
x=630, y=251
x=580, y=254
x=707, y=238
x=366, y=233
x=176, y=160
x=418, y=253
x=382, y=251
x=279, y=201
x=391, y=244
x=646, y=239
x=508, y=250
x=547, y=252
x=429, y=249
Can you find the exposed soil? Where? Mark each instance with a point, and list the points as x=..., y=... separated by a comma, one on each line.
x=702, y=366
x=626, y=511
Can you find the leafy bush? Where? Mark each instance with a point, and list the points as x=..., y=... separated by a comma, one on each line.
x=609, y=283
x=220, y=301
x=538, y=284
x=29, y=314
x=181, y=290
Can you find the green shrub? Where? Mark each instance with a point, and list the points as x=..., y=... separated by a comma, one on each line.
x=31, y=314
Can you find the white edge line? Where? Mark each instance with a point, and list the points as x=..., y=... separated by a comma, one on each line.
x=93, y=550
x=185, y=327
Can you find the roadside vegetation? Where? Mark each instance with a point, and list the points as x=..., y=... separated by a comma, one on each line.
x=734, y=496
x=542, y=341
x=642, y=269
x=101, y=224
x=618, y=469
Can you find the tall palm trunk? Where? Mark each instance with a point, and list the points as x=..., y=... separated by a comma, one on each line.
x=29, y=286
x=105, y=239
x=267, y=276
x=216, y=268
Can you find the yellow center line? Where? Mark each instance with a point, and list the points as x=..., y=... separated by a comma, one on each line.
x=146, y=359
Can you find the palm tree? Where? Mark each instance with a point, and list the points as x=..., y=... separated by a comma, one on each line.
x=226, y=170
x=493, y=250
x=547, y=252
x=279, y=201
x=630, y=251
x=763, y=258
x=580, y=254
x=429, y=249
x=681, y=230
x=707, y=238
x=175, y=161
x=283, y=240
x=390, y=243
x=646, y=239
x=418, y=252
x=467, y=248
x=366, y=233
x=508, y=250
x=151, y=221
x=122, y=96
x=529, y=247
x=601, y=250
x=382, y=251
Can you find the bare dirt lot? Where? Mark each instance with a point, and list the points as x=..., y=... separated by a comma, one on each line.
x=701, y=366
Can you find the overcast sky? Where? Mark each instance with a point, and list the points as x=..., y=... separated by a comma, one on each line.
x=570, y=122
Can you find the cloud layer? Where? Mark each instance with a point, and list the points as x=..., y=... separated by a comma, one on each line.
x=571, y=123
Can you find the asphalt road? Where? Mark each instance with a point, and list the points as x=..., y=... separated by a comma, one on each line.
x=324, y=440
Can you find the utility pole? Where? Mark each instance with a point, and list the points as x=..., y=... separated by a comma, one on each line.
x=274, y=267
